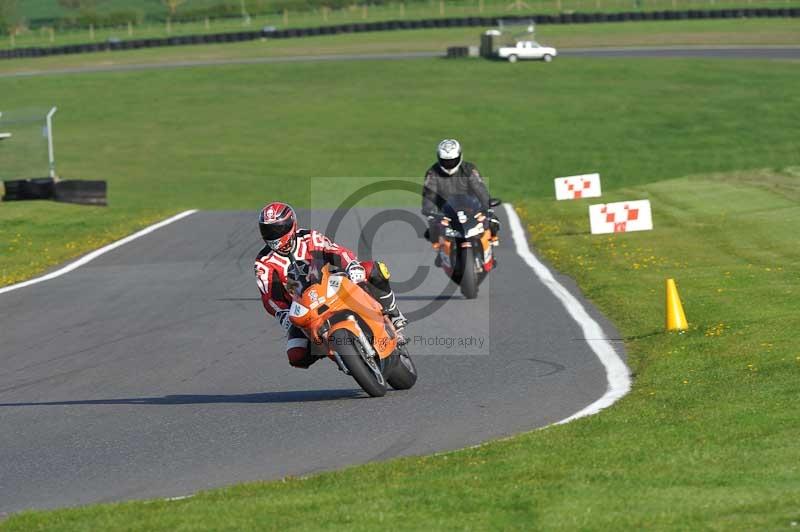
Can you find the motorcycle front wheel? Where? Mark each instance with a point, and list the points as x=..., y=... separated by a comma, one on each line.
x=469, y=277
x=368, y=377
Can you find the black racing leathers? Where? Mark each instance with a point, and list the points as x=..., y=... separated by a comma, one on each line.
x=439, y=186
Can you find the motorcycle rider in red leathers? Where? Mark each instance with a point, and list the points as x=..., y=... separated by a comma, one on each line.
x=277, y=222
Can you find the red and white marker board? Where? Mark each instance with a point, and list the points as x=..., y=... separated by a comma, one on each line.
x=620, y=217
x=578, y=186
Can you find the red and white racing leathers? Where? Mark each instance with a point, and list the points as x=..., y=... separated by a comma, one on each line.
x=272, y=269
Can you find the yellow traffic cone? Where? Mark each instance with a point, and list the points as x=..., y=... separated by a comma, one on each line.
x=676, y=319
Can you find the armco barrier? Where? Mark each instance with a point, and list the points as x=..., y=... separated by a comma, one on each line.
x=391, y=25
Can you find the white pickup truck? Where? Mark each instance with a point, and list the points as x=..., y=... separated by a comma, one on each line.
x=526, y=50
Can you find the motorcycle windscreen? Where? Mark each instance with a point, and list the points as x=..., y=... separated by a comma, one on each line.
x=461, y=209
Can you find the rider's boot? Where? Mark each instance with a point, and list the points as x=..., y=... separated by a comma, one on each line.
x=382, y=291
x=399, y=321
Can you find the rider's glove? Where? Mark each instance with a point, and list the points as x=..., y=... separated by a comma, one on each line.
x=356, y=272
x=283, y=318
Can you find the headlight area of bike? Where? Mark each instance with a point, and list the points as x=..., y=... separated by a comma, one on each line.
x=452, y=233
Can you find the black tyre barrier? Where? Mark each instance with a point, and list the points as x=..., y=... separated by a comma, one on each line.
x=29, y=189
x=457, y=51
x=563, y=18
x=81, y=191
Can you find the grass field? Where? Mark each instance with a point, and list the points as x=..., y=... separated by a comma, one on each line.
x=697, y=32
x=33, y=9
x=49, y=36
x=307, y=15
x=231, y=130
x=707, y=438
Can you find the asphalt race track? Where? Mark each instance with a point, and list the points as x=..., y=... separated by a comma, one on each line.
x=153, y=371
x=708, y=52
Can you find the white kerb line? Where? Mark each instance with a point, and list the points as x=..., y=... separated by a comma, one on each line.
x=617, y=373
x=98, y=252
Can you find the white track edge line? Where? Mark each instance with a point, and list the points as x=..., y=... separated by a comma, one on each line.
x=617, y=373
x=96, y=253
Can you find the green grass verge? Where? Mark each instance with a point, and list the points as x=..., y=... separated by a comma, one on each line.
x=230, y=137
x=707, y=439
x=306, y=14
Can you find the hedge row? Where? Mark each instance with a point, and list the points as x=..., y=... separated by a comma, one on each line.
x=564, y=18
x=231, y=9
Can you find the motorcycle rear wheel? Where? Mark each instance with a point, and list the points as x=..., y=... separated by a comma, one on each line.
x=350, y=352
x=404, y=374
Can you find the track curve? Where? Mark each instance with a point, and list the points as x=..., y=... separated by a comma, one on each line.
x=153, y=371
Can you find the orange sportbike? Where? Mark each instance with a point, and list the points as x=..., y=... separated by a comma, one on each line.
x=344, y=323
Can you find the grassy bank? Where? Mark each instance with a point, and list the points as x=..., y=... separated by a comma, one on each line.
x=705, y=441
x=707, y=438
x=697, y=32
x=231, y=137
x=312, y=14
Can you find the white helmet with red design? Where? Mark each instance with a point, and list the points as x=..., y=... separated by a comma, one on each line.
x=278, y=225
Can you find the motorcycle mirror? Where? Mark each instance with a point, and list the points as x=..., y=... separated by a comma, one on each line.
x=494, y=202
